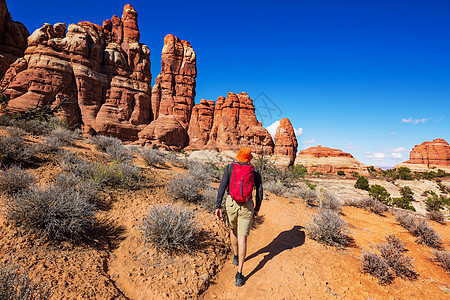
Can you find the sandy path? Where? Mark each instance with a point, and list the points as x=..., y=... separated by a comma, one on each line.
x=283, y=264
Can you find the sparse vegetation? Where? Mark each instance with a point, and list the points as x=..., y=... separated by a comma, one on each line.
x=152, y=157
x=169, y=228
x=329, y=228
x=112, y=146
x=419, y=228
x=362, y=183
x=443, y=258
x=341, y=173
x=275, y=187
x=436, y=215
x=15, y=179
x=403, y=173
x=15, y=284
x=390, y=261
x=328, y=201
x=298, y=171
x=404, y=201
x=53, y=212
x=435, y=202
x=369, y=204
x=203, y=172
x=63, y=137
x=186, y=188
x=13, y=150
x=379, y=193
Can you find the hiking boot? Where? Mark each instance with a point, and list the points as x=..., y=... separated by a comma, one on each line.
x=235, y=260
x=240, y=279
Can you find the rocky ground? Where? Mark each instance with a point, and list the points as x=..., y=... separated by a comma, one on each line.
x=283, y=262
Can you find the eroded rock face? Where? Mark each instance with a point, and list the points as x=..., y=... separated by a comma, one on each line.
x=99, y=75
x=329, y=161
x=232, y=124
x=173, y=93
x=13, y=39
x=285, y=143
x=435, y=153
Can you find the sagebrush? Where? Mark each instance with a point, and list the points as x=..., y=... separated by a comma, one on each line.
x=329, y=228
x=15, y=179
x=170, y=228
x=186, y=188
x=419, y=228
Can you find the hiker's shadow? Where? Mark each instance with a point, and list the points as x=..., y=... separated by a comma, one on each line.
x=286, y=240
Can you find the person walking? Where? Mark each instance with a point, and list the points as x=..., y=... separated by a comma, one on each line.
x=238, y=180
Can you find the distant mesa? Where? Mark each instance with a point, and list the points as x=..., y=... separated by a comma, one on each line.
x=329, y=161
x=429, y=155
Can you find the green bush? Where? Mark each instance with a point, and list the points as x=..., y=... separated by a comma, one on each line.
x=298, y=170
x=380, y=193
x=435, y=202
x=355, y=174
x=404, y=202
x=404, y=173
x=310, y=185
x=341, y=173
x=362, y=183
x=318, y=173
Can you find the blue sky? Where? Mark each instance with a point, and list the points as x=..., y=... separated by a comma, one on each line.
x=369, y=77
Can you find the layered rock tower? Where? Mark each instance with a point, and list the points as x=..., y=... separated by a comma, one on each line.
x=13, y=39
x=429, y=155
x=98, y=75
x=286, y=143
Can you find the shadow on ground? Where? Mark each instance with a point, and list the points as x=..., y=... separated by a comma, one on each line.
x=286, y=240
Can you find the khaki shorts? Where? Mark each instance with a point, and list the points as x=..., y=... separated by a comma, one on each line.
x=239, y=214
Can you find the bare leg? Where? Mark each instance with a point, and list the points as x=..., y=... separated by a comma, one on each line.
x=234, y=241
x=242, y=240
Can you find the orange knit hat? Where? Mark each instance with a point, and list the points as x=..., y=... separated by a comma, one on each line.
x=245, y=154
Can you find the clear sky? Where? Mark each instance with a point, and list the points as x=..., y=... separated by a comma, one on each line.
x=369, y=77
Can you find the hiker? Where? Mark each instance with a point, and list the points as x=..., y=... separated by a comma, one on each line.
x=239, y=179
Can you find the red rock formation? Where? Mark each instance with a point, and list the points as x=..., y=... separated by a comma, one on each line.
x=172, y=95
x=285, y=143
x=234, y=125
x=329, y=161
x=100, y=73
x=200, y=124
x=13, y=39
x=435, y=153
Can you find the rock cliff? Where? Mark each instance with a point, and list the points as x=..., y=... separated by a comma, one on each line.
x=98, y=75
x=429, y=155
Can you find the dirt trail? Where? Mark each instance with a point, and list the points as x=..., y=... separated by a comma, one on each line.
x=284, y=264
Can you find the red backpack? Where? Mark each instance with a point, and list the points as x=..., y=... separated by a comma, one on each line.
x=242, y=182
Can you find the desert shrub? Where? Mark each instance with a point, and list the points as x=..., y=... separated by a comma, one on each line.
x=5, y=120
x=86, y=188
x=341, y=173
x=15, y=131
x=443, y=257
x=427, y=235
x=112, y=146
x=404, y=173
x=33, y=127
x=116, y=173
x=173, y=158
x=310, y=185
x=419, y=228
x=329, y=228
x=373, y=205
x=328, y=201
x=318, y=173
x=372, y=171
x=113, y=174
x=275, y=187
x=362, y=183
x=270, y=172
x=443, y=188
x=203, y=172
x=435, y=202
x=209, y=198
x=15, y=179
x=52, y=212
x=380, y=193
x=186, y=188
x=298, y=170
x=436, y=215
x=152, y=157
x=169, y=228
x=403, y=203
x=13, y=150
x=15, y=284
x=63, y=137
x=397, y=261
x=355, y=174
x=376, y=266
x=395, y=242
